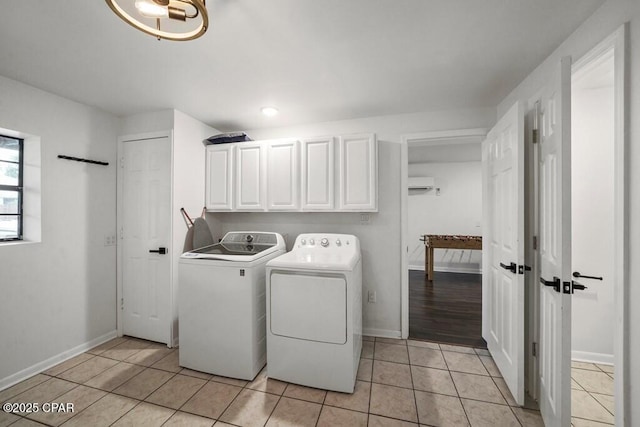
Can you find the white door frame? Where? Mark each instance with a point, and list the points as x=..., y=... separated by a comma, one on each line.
x=616, y=43
x=431, y=139
x=119, y=222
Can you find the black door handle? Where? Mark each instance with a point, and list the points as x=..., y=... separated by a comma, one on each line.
x=555, y=283
x=577, y=274
x=577, y=286
x=511, y=267
x=161, y=251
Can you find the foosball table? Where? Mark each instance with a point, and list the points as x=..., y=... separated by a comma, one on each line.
x=446, y=241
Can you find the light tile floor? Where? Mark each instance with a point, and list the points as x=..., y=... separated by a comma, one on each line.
x=592, y=402
x=131, y=382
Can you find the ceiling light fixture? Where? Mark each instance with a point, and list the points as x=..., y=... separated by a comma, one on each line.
x=269, y=111
x=147, y=16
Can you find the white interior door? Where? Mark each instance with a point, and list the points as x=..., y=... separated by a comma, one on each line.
x=146, y=239
x=503, y=248
x=555, y=248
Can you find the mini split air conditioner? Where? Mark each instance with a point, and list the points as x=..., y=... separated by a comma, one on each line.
x=421, y=183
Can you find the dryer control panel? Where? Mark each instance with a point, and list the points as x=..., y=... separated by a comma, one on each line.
x=322, y=241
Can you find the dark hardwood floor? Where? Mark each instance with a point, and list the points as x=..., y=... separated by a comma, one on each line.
x=447, y=309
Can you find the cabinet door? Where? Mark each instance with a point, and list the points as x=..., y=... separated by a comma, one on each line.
x=317, y=174
x=358, y=173
x=219, y=177
x=283, y=177
x=250, y=176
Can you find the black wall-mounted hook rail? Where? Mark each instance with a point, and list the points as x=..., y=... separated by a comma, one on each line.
x=78, y=159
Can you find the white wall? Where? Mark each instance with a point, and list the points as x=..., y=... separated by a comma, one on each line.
x=60, y=294
x=188, y=170
x=457, y=210
x=154, y=121
x=188, y=185
x=592, y=222
x=380, y=239
x=601, y=24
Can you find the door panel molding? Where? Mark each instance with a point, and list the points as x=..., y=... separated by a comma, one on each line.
x=120, y=265
x=503, y=212
x=555, y=247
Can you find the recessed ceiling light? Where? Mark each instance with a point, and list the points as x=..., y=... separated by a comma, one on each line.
x=269, y=111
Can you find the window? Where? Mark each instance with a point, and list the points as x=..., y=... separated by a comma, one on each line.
x=11, y=166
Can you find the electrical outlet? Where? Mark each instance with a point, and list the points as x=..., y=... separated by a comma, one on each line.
x=110, y=240
x=372, y=297
x=365, y=219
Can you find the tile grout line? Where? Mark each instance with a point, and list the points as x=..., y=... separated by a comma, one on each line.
x=413, y=386
x=464, y=410
x=600, y=403
x=247, y=384
x=128, y=397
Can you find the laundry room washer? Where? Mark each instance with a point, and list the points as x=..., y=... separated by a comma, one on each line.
x=221, y=303
x=314, y=312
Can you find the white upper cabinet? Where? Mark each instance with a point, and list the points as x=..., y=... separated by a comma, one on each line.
x=324, y=174
x=250, y=176
x=317, y=170
x=283, y=175
x=219, y=177
x=358, y=187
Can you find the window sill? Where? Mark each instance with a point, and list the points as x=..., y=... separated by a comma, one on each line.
x=17, y=243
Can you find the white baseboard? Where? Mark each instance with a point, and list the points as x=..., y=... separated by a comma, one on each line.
x=382, y=333
x=585, y=356
x=52, y=361
x=466, y=270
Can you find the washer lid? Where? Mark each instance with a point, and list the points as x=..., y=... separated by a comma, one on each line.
x=240, y=246
x=302, y=259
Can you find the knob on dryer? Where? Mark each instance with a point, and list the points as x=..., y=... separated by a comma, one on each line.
x=324, y=242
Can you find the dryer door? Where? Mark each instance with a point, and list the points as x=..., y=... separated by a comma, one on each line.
x=309, y=307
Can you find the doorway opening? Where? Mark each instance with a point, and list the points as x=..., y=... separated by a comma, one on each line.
x=593, y=238
x=443, y=210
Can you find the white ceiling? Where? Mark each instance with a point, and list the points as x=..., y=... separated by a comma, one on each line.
x=315, y=60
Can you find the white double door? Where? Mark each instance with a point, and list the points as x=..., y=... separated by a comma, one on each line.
x=504, y=268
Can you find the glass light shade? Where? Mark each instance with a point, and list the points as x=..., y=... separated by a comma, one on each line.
x=151, y=10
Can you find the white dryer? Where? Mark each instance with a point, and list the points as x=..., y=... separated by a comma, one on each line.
x=314, y=312
x=222, y=305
